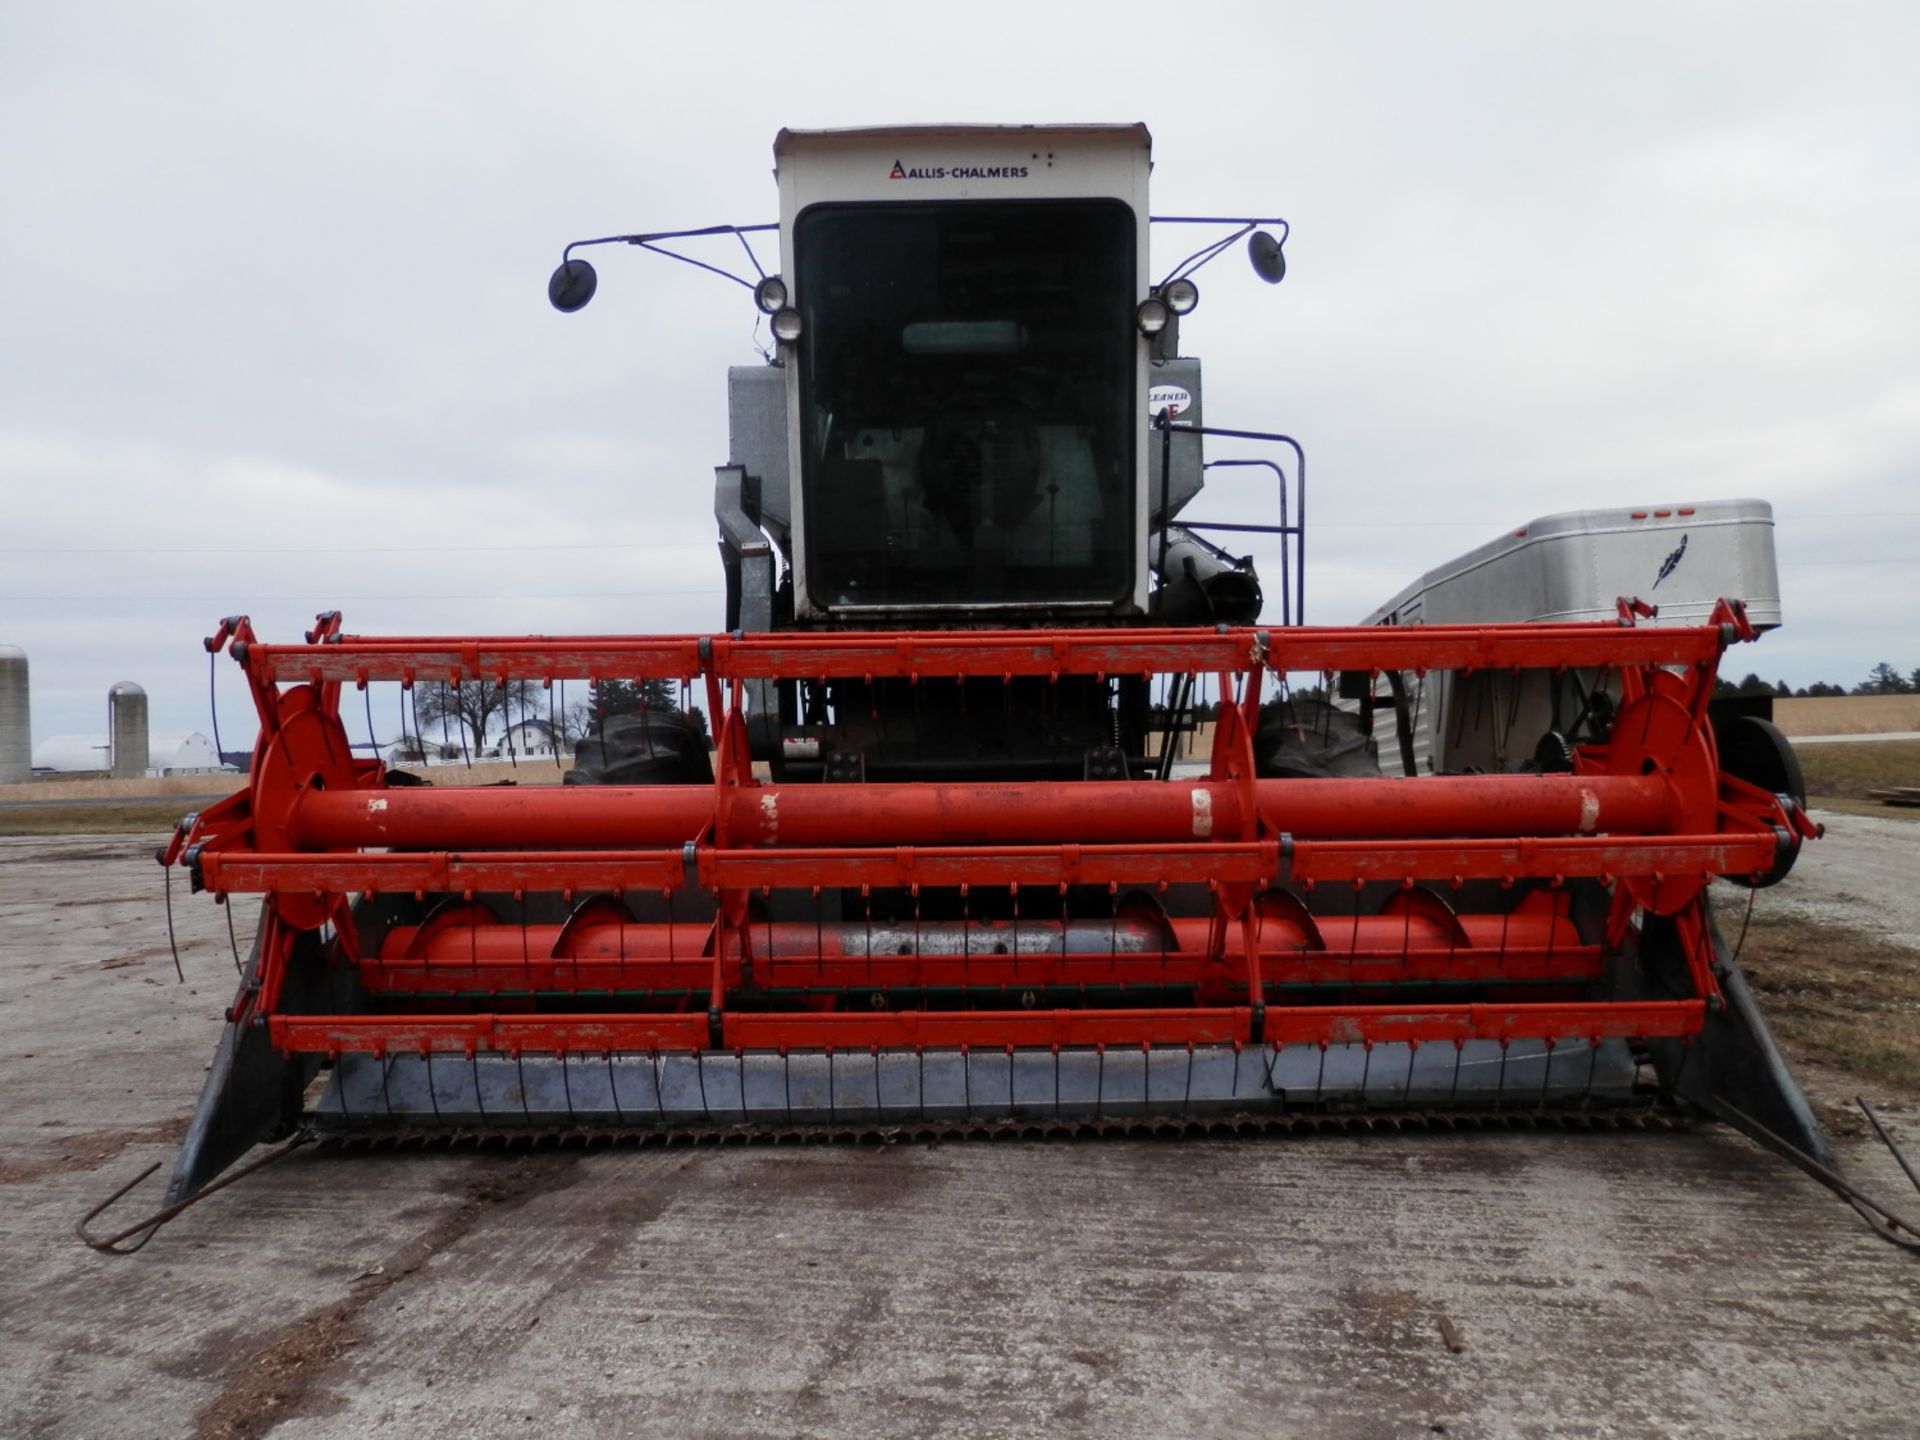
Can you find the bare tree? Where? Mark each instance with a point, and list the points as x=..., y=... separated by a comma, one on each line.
x=472, y=704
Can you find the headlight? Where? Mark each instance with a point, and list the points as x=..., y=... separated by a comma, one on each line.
x=771, y=294
x=786, y=324
x=1152, y=316
x=1181, y=295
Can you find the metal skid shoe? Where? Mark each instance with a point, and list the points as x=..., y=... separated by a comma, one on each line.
x=747, y=955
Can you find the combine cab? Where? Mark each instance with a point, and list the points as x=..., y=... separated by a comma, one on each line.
x=945, y=868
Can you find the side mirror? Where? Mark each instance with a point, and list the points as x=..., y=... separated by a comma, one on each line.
x=572, y=286
x=1268, y=259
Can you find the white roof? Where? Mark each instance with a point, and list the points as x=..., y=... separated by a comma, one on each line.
x=174, y=750
x=71, y=752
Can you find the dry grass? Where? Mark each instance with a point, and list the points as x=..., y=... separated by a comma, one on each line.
x=1843, y=997
x=1847, y=714
x=121, y=817
x=1879, y=810
x=1851, y=771
x=136, y=807
x=63, y=787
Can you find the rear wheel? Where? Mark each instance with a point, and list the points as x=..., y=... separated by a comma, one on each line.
x=651, y=748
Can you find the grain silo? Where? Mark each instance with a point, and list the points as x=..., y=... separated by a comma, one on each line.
x=16, y=727
x=127, y=731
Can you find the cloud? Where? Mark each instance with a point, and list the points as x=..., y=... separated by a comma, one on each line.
x=277, y=336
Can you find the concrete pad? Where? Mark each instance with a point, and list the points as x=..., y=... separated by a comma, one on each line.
x=1478, y=1285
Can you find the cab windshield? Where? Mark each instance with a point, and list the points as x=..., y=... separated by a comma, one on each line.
x=966, y=375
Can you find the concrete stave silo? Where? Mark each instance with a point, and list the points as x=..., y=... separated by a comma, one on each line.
x=16, y=718
x=127, y=731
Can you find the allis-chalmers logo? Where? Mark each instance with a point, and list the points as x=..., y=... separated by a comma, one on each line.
x=956, y=172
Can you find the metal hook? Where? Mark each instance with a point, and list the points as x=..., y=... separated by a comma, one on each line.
x=111, y=1244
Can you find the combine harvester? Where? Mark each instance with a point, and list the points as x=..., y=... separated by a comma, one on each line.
x=943, y=871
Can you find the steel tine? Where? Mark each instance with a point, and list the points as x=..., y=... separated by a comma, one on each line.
x=479, y=1099
x=166, y=880
x=526, y=959
x=520, y=1068
x=433, y=1097
x=1406, y=926
x=507, y=695
x=1453, y=943
x=613, y=1089
x=624, y=981
x=575, y=957
x=966, y=939
x=233, y=943
x=659, y=1095
x=1553, y=914
x=412, y=694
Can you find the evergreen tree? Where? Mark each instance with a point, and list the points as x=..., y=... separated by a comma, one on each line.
x=1883, y=680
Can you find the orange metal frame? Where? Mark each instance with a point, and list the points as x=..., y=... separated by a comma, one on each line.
x=1647, y=813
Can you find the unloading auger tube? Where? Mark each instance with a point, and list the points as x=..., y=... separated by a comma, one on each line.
x=747, y=954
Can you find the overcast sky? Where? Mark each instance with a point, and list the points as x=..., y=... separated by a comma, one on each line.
x=276, y=339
